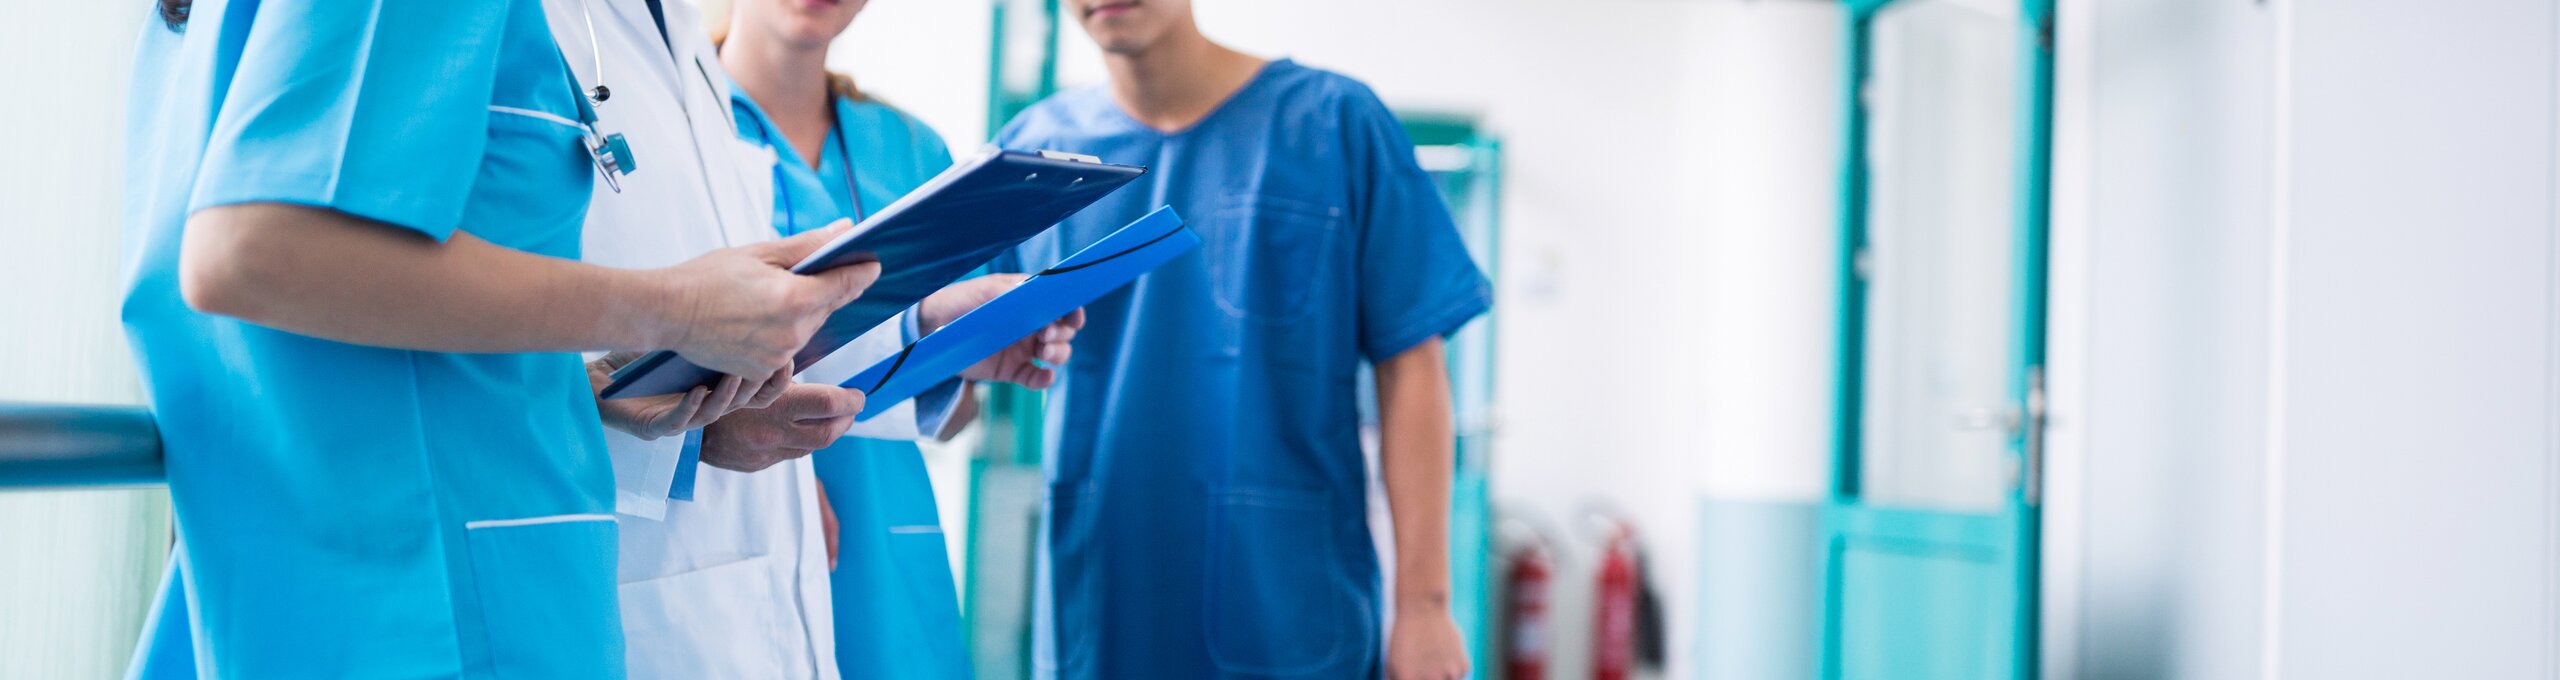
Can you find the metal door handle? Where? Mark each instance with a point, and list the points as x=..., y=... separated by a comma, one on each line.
x=1987, y=418
x=2033, y=486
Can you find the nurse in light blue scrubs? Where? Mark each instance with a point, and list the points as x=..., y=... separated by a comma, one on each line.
x=897, y=611
x=355, y=304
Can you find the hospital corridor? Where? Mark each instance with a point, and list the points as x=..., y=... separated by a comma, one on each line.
x=1248, y=340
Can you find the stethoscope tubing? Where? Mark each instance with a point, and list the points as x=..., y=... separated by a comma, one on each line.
x=852, y=176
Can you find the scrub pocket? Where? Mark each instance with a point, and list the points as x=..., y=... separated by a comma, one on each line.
x=728, y=609
x=1278, y=602
x=1266, y=252
x=531, y=158
x=546, y=596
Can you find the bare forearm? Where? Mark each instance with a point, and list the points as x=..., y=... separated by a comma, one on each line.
x=327, y=274
x=1417, y=460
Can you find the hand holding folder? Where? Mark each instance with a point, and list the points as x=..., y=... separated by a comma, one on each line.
x=1026, y=362
x=1055, y=292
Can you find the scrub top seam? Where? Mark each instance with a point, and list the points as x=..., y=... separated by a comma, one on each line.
x=444, y=545
x=544, y=116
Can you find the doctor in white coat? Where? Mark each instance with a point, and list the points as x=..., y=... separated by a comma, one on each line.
x=732, y=582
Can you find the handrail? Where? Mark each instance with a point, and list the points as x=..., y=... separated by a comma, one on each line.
x=46, y=446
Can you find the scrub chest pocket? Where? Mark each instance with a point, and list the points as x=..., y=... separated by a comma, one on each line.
x=1266, y=253
x=538, y=153
x=541, y=582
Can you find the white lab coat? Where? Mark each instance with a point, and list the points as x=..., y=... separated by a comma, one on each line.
x=733, y=583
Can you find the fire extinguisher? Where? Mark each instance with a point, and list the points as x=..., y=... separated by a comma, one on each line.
x=1527, y=638
x=1613, y=636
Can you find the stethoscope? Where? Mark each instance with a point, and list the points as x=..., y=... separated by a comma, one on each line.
x=611, y=153
x=852, y=176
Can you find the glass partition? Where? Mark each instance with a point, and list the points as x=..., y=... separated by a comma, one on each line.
x=1941, y=258
x=77, y=568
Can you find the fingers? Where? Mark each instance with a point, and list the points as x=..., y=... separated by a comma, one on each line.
x=845, y=283
x=791, y=251
x=1055, y=353
x=832, y=428
x=1035, y=377
x=818, y=402
x=677, y=419
x=723, y=399
x=1060, y=331
x=772, y=389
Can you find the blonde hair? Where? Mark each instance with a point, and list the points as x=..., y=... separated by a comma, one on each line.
x=715, y=15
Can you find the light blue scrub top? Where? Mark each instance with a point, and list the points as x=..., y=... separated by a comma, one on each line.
x=346, y=511
x=1207, y=501
x=897, y=613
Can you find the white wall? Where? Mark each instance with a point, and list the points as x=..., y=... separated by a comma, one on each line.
x=1761, y=130
x=2162, y=178
x=2305, y=342
x=2413, y=451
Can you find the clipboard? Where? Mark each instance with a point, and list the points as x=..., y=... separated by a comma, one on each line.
x=1089, y=274
x=962, y=218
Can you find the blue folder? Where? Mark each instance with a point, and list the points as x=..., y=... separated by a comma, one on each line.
x=934, y=235
x=1076, y=281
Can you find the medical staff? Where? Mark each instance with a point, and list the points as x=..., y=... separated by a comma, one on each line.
x=724, y=564
x=845, y=155
x=355, y=304
x=1207, y=501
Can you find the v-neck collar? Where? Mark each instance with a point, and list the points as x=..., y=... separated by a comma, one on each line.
x=1250, y=84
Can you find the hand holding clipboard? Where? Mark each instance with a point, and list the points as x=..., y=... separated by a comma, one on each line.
x=955, y=222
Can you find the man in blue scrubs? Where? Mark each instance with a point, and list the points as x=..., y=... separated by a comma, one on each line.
x=1207, y=508
x=354, y=301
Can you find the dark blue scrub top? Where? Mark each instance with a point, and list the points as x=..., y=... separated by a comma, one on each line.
x=1207, y=508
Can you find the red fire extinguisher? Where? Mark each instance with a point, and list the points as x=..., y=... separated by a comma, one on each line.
x=1613, y=654
x=1526, y=634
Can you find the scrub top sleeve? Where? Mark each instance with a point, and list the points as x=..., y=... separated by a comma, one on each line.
x=1417, y=280
x=378, y=109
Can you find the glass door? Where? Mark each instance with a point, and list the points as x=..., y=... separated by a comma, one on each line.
x=1929, y=536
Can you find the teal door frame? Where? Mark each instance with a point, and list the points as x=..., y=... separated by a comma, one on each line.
x=1919, y=540
x=1473, y=190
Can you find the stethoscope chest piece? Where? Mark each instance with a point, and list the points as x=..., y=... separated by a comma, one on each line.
x=612, y=155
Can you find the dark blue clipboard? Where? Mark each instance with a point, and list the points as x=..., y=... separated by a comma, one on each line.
x=1076, y=281
x=960, y=219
